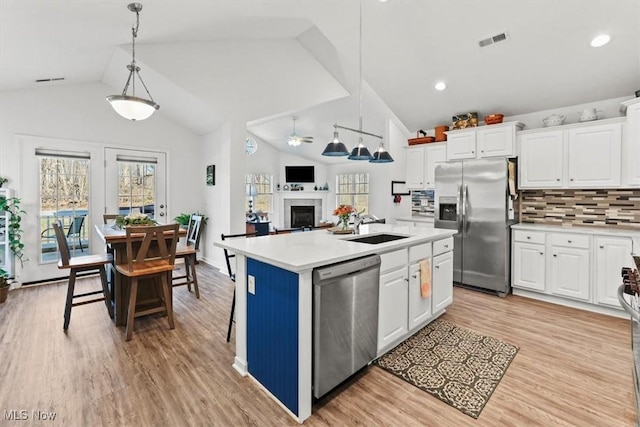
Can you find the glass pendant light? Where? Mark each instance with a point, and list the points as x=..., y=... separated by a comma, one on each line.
x=132, y=107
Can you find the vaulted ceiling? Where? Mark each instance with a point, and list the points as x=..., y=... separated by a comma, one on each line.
x=263, y=61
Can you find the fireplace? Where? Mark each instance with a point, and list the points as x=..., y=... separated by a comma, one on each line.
x=302, y=216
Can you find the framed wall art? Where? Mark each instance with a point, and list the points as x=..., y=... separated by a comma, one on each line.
x=211, y=175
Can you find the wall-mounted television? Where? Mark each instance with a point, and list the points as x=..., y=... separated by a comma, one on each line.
x=296, y=174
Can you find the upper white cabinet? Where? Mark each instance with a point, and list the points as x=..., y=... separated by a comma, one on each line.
x=594, y=156
x=574, y=156
x=421, y=164
x=415, y=168
x=633, y=142
x=436, y=153
x=483, y=141
x=541, y=160
x=461, y=145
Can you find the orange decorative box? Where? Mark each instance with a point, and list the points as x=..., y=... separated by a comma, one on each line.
x=422, y=140
x=493, y=119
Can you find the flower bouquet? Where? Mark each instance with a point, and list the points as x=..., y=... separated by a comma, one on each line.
x=134, y=219
x=344, y=212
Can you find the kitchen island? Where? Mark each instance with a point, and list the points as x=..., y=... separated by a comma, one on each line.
x=274, y=299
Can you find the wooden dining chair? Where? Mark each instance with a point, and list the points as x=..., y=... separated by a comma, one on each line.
x=151, y=252
x=228, y=255
x=108, y=217
x=81, y=264
x=187, y=252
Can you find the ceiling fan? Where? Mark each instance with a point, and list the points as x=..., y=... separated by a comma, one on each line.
x=294, y=139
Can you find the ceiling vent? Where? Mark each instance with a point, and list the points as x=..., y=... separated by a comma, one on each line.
x=55, y=79
x=493, y=39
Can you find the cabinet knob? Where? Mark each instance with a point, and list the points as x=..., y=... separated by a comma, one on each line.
x=472, y=152
x=569, y=241
x=528, y=237
x=482, y=151
x=406, y=279
x=541, y=253
x=570, y=179
x=437, y=266
x=446, y=246
x=415, y=276
x=558, y=179
x=555, y=254
x=601, y=246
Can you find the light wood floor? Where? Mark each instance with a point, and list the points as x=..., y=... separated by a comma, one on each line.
x=573, y=368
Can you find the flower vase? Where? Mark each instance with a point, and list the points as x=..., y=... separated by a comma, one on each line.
x=345, y=224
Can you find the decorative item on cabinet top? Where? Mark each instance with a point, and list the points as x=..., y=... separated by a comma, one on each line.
x=421, y=140
x=493, y=119
x=440, y=133
x=462, y=121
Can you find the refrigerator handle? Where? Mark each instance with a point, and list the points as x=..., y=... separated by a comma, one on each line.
x=458, y=207
x=465, y=198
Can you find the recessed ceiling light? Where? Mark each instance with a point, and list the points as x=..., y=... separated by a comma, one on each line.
x=600, y=40
x=383, y=1
x=441, y=86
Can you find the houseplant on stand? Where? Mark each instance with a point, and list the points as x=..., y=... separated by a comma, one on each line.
x=184, y=218
x=12, y=206
x=4, y=286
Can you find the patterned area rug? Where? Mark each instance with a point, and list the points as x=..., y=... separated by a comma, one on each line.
x=456, y=365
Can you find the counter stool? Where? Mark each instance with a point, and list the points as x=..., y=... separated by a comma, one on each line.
x=228, y=255
x=78, y=264
x=145, y=264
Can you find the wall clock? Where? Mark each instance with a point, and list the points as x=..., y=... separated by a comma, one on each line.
x=250, y=146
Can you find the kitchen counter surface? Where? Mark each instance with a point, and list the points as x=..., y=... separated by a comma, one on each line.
x=579, y=230
x=417, y=218
x=304, y=251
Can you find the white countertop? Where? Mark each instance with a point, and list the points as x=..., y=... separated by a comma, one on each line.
x=601, y=231
x=417, y=218
x=307, y=250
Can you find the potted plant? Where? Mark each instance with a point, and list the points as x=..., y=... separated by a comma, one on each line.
x=4, y=285
x=12, y=206
x=184, y=218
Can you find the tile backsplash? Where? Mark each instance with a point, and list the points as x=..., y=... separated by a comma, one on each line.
x=599, y=208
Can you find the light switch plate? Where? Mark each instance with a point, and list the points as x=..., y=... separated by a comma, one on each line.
x=251, y=285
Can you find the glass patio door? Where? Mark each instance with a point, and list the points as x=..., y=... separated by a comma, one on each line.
x=135, y=182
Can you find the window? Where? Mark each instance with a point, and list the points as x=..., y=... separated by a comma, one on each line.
x=64, y=196
x=353, y=189
x=264, y=184
x=136, y=185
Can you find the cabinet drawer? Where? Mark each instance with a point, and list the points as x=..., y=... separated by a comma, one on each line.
x=528, y=236
x=442, y=246
x=393, y=260
x=419, y=252
x=571, y=240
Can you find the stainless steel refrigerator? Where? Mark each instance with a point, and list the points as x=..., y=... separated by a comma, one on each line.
x=475, y=198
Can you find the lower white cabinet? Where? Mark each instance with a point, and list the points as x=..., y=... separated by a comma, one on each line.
x=583, y=267
x=393, y=313
x=419, y=307
x=569, y=272
x=528, y=266
x=442, y=281
x=611, y=254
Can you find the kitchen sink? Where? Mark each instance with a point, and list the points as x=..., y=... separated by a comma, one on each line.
x=375, y=239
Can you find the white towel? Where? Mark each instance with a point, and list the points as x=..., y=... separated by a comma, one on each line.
x=425, y=278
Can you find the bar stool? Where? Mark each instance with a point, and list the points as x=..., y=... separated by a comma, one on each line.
x=143, y=262
x=232, y=276
x=78, y=264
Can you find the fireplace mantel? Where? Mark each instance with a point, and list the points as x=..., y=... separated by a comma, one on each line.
x=304, y=194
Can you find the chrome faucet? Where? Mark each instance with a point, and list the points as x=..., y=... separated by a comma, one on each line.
x=360, y=219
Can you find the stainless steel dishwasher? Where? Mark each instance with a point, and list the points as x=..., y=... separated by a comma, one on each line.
x=345, y=320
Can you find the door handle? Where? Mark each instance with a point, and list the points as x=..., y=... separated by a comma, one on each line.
x=465, y=201
x=458, y=207
x=161, y=206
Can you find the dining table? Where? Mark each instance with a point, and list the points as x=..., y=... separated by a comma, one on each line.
x=115, y=239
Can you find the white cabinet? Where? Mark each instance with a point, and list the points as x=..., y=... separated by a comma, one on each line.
x=415, y=168
x=435, y=154
x=442, y=281
x=497, y=140
x=541, y=158
x=461, y=145
x=594, y=156
x=393, y=309
x=6, y=257
x=611, y=254
x=578, y=156
x=419, y=307
x=528, y=266
x=632, y=137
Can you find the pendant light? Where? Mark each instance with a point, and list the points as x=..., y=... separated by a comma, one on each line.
x=360, y=150
x=132, y=107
